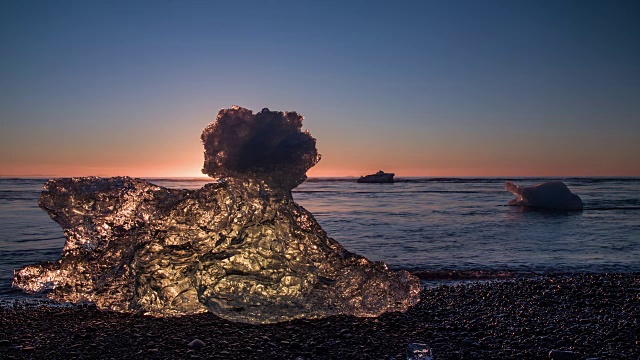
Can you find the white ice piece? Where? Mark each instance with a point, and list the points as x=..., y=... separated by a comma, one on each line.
x=554, y=195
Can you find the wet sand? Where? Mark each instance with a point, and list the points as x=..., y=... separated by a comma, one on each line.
x=592, y=315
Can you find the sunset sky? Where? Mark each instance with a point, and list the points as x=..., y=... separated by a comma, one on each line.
x=419, y=88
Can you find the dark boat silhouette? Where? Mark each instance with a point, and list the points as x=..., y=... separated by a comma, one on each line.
x=379, y=177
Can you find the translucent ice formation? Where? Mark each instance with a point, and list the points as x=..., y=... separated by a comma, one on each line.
x=553, y=195
x=240, y=248
x=268, y=145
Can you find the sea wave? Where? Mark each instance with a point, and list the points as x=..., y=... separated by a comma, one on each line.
x=611, y=208
x=401, y=191
x=464, y=274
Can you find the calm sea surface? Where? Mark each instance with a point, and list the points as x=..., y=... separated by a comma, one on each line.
x=416, y=223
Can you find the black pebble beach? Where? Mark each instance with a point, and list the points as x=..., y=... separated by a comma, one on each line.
x=590, y=315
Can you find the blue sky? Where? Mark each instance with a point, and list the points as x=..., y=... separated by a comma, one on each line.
x=416, y=87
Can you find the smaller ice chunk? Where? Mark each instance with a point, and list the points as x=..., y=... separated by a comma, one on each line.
x=419, y=351
x=553, y=195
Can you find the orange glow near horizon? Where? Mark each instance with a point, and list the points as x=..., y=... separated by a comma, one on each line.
x=193, y=171
x=405, y=156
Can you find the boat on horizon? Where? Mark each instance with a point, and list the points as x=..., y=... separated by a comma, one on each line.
x=379, y=177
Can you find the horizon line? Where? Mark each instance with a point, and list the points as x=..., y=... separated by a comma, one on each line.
x=328, y=177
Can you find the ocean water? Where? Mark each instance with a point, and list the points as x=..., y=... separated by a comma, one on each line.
x=416, y=223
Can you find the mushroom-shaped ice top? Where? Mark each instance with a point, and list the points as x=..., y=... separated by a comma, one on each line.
x=269, y=146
